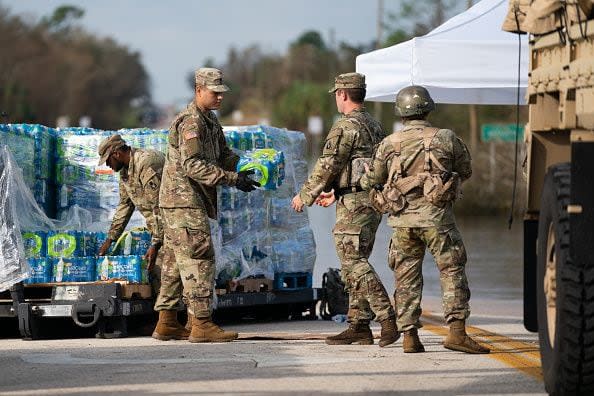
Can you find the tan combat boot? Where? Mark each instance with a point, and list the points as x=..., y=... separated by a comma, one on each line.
x=357, y=333
x=168, y=328
x=458, y=340
x=204, y=330
x=390, y=333
x=189, y=322
x=411, y=342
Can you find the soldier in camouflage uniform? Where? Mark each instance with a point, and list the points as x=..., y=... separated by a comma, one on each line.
x=350, y=144
x=140, y=180
x=198, y=160
x=416, y=173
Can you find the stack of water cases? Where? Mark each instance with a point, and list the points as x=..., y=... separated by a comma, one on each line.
x=260, y=234
x=80, y=181
x=32, y=146
x=71, y=256
x=257, y=234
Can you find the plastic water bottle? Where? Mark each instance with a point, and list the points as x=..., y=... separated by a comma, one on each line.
x=128, y=244
x=104, y=272
x=60, y=270
x=64, y=196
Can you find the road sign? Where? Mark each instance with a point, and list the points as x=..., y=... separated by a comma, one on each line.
x=501, y=132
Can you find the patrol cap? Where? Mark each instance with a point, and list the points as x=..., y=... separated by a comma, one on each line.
x=108, y=146
x=348, y=80
x=210, y=78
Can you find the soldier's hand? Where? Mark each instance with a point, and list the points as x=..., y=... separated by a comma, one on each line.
x=326, y=199
x=297, y=204
x=151, y=257
x=105, y=246
x=244, y=183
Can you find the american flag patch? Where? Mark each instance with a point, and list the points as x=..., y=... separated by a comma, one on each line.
x=190, y=135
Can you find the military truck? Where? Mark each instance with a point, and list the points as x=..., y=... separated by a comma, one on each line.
x=559, y=218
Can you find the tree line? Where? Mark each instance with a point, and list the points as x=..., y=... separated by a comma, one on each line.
x=54, y=68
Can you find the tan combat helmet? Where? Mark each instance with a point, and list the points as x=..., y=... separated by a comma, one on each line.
x=414, y=100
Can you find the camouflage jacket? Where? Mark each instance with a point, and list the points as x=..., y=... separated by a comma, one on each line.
x=448, y=149
x=348, y=139
x=139, y=188
x=198, y=160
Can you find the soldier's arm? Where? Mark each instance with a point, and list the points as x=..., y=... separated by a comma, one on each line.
x=194, y=161
x=378, y=171
x=122, y=215
x=462, y=160
x=150, y=179
x=335, y=155
x=229, y=159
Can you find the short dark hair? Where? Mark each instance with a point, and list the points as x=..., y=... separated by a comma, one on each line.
x=356, y=95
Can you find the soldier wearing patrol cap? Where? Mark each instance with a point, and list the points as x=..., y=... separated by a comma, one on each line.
x=415, y=178
x=335, y=178
x=140, y=179
x=198, y=160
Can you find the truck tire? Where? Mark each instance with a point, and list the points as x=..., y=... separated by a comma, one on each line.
x=564, y=336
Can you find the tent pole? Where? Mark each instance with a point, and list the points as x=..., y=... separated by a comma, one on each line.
x=378, y=44
x=472, y=115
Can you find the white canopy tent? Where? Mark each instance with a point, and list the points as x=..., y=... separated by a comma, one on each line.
x=467, y=60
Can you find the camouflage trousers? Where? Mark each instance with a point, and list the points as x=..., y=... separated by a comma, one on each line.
x=407, y=249
x=188, y=262
x=354, y=236
x=155, y=273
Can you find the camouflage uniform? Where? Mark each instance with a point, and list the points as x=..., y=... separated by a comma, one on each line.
x=352, y=136
x=422, y=225
x=198, y=160
x=139, y=188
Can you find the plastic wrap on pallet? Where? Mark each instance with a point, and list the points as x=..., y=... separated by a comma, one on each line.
x=33, y=146
x=43, y=236
x=21, y=144
x=260, y=232
x=80, y=181
x=13, y=266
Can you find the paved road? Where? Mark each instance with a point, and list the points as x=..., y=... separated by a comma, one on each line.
x=278, y=358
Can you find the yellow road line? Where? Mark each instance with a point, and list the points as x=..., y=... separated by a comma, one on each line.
x=522, y=356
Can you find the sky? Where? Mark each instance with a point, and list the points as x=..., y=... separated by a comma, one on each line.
x=174, y=37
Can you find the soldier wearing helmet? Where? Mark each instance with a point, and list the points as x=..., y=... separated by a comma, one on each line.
x=415, y=177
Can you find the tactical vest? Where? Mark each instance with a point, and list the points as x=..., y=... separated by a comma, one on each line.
x=422, y=175
x=351, y=174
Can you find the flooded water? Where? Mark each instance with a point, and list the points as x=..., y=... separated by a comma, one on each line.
x=494, y=268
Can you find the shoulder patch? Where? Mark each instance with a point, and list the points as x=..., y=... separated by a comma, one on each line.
x=190, y=135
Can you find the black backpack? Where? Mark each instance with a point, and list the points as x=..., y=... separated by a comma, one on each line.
x=335, y=299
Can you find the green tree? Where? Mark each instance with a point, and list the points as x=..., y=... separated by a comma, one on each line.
x=313, y=38
x=51, y=69
x=62, y=18
x=300, y=101
x=418, y=17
